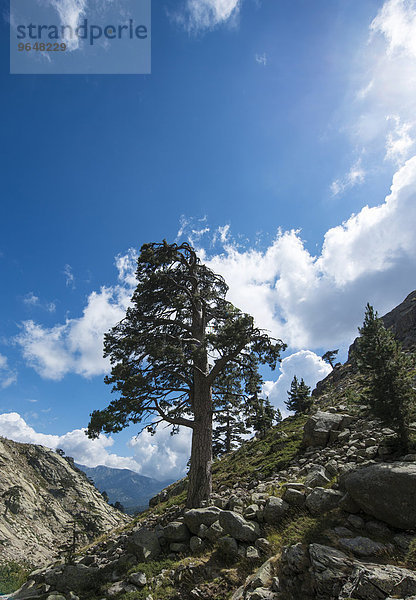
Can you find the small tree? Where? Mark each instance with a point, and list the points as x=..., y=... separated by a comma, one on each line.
x=229, y=428
x=329, y=357
x=261, y=415
x=388, y=373
x=168, y=354
x=299, y=396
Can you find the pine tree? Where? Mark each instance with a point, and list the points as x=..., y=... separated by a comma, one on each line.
x=228, y=431
x=388, y=373
x=329, y=357
x=261, y=415
x=168, y=355
x=299, y=397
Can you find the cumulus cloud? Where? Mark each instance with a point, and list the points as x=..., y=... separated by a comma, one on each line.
x=7, y=375
x=161, y=456
x=197, y=15
x=77, y=345
x=318, y=301
x=304, y=364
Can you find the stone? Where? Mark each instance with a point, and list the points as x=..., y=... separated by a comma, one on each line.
x=294, y=497
x=196, y=544
x=176, y=532
x=275, y=510
x=195, y=517
x=77, y=578
x=375, y=582
x=318, y=426
x=378, y=529
x=138, y=579
x=251, y=511
x=214, y=532
x=237, y=527
x=316, y=477
x=228, y=547
x=252, y=552
x=144, y=544
x=260, y=594
x=347, y=503
x=262, y=576
x=322, y=500
x=179, y=547
x=296, y=557
x=385, y=491
x=356, y=522
x=362, y=546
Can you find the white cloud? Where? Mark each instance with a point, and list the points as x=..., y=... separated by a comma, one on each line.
x=77, y=345
x=304, y=364
x=355, y=176
x=318, y=301
x=70, y=13
x=206, y=14
x=261, y=59
x=30, y=299
x=7, y=375
x=69, y=276
x=397, y=22
x=162, y=456
x=399, y=142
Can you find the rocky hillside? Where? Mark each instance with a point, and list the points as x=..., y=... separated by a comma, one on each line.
x=322, y=508
x=41, y=493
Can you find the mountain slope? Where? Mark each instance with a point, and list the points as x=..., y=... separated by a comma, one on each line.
x=122, y=485
x=41, y=493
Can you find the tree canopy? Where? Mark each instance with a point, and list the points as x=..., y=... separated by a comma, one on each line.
x=181, y=349
x=329, y=357
x=388, y=373
x=299, y=396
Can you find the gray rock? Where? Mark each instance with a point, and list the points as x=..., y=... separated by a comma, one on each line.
x=214, y=532
x=179, y=547
x=385, y=491
x=144, y=544
x=237, y=527
x=362, y=546
x=252, y=552
x=176, y=532
x=77, y=578
x=196, y=544
x=275, y=510
x=296, y=558
x=228, y=547
x=316, y=477
x=294, y=497
x=195, y=517
x=378, y=529
x=317, y=428
x=321, y=500
x=263, y=576
x=261, y=594
x=251, y=511
x=375, y=582
x=138, y=579
x=263, y=545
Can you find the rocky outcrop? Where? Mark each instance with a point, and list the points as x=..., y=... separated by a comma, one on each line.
x=41, y=493
x=402, y=321
x=319, y=427
x=386, y=491
x=321, y=572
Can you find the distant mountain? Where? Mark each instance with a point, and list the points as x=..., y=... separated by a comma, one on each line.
x=122, y=485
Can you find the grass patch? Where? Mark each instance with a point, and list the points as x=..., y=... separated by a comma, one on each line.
x=12, y=576
x=265, y=456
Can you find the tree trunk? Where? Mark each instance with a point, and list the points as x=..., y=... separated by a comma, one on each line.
x=200, y=472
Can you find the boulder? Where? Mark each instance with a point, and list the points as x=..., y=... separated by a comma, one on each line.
x=144, y=544
x=138, y=579
x=376, y=582
x=316, y=477
x=195, y=517
x=237, y=527
x=385, y=491
x=228, y=547
x=362, y=546
x=77, y=578
x=294, y=497
x=318, y=427
x=321, y=500
x=176, y=532
x=275, y=510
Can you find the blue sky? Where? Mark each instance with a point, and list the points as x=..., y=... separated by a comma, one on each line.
x=259, y=117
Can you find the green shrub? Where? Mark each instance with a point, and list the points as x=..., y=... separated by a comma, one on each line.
x=12, y=576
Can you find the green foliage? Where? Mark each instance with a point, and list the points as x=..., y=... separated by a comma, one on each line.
x=388, y=372
x=12, y=576
x=299, y=397
x=329, y=357
x=265, y=456
x=261, y=415
x=161, y=354
x=410, y=559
